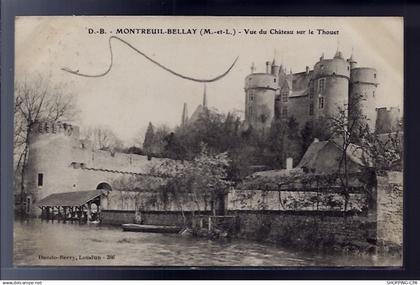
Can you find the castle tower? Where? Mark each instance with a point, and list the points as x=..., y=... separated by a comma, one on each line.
x=387, y=120
x=184, y=118
x=260, y=92
x=329, y=87
x=50, y=145
x=363, y=97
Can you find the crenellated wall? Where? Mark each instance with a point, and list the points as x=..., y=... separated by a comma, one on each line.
x=387, y=120
x=67, y=163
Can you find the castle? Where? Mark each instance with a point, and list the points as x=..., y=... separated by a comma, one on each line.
x=314, y=94
x=60, y=161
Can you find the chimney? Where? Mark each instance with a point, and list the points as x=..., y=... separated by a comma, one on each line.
x=267, y=67
x=252, y=68
x=307, y=69
x=289, y=163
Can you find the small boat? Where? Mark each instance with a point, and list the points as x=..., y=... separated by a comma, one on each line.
x=151, y=228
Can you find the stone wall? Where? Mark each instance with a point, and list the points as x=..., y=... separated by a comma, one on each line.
x=298, y=108
x=162, y=218
x=117, y=217
x=304, y=227
x=293, y=200
x=309, y=230
x=300, y=229
x=67, y=164
x=390, y=209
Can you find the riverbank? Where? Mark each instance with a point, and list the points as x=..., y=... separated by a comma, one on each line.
x=310, y=231
x=109, y=245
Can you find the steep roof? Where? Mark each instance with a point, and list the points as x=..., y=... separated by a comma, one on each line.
x=197, y=113
x=69, y=199
x=296, y=179
x=312, y=154
x=299, y=93
x=301, y=80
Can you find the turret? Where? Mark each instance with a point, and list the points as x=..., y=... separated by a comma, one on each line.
x=51, y=149
x=387, y=120
x=330, y=85
x=260, y=91
x=363, y=97
x=267, y=67
x=352, y=62
x=275, y=69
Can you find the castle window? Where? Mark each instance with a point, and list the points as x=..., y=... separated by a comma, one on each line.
x=274, y=80
x=40, y=179
x=28, y=205
x=284, y=111
x=321, y=85
x=374, y=75
x=373, y=94
x=321, y=102
x=311, y=90
x=251, y=97
x=311, y=109
x=284, y=97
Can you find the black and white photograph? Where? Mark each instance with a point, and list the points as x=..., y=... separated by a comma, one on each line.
x=204, y=141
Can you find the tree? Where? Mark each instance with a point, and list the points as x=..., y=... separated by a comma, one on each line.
x=346, y=130
x=36, y=100
x=312, y=130
x=199, y=182
x=148, y=138
x=284, y=141
x=174, y=148
x=159, y=140
x=103, y=138
x=134, y=150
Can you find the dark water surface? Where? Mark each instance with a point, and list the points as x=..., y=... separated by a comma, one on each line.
x=39, y=242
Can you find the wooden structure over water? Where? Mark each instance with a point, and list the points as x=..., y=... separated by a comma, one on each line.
x=82, y=206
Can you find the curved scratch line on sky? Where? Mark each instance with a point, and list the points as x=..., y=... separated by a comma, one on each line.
x=76, y=72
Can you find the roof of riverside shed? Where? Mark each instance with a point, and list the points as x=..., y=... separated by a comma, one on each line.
x=69, y=199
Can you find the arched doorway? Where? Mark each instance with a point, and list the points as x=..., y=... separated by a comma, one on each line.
x=104, y=186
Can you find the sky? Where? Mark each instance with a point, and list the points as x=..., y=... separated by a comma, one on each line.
x=136, y=92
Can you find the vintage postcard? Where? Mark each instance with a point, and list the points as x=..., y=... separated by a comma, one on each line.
x=208, y=141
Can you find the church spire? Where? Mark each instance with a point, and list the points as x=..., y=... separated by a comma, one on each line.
x=205, y=96
x=184, y=115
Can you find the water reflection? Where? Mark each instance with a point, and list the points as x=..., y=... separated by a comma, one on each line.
x=45, y=243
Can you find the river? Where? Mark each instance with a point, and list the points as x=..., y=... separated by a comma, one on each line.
x=39, y=242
